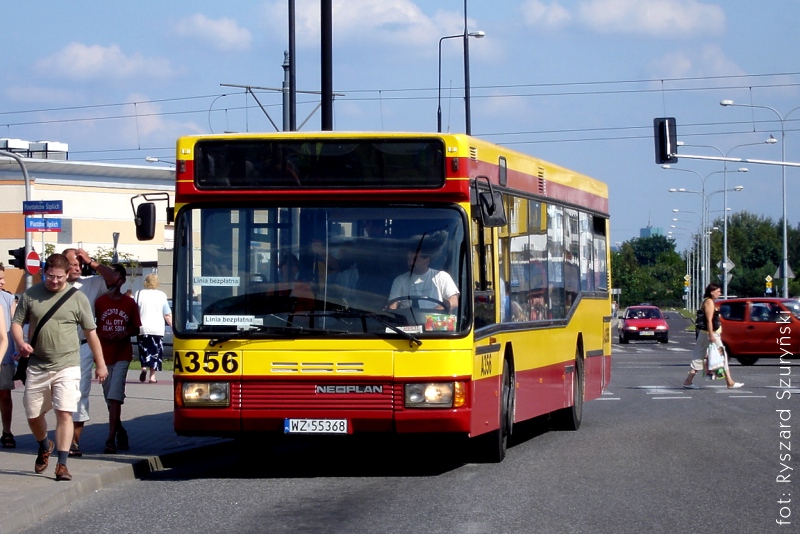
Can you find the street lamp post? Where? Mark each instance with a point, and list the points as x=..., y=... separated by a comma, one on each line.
x=706, y=244
x=692, y=261
x=477, y=35
x=695, y=253
x=705, y=227
x=26, y=179
x=725, y=262
x=784, y=271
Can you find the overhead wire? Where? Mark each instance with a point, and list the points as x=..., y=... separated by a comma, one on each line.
x=594, y=88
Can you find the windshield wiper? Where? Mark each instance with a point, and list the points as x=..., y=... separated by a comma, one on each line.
x=413, y=340
x=283, y=331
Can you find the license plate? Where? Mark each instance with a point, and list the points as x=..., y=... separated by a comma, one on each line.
x=315, y=426
x=646, y=333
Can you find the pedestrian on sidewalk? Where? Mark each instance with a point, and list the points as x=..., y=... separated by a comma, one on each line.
x=155, y=313
x=708, y=331
x=54, y=311
x=117, y=320
x=92, y=286
x=7, y=367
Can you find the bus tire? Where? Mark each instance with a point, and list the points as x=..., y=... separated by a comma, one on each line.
x=570, y=418
x=491, y=447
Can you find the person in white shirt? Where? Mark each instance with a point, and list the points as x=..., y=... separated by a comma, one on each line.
x=421, y=283
x=92, y=286
x=155, y=313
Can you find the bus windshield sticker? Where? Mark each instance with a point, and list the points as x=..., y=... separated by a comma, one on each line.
x=228, y=320
x=227, y=281
x=413, y=329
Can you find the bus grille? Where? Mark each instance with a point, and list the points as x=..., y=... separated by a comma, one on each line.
x=317, y=367
x=262, y=395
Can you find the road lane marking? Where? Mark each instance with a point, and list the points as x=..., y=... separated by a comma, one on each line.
x=790, y=390
x=661, y=390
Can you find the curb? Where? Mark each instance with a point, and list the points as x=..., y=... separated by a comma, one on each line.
x=23, y=512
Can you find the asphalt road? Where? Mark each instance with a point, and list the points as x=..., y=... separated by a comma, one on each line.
x=650, y=457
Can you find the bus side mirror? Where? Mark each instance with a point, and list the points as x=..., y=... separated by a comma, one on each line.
x=145, y=221
x=144, y=215
x=488, y=207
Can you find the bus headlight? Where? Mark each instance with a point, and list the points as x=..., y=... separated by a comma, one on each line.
x=434, y=395
x=206, y=394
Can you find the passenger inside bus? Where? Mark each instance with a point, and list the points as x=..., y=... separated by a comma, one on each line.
x=290, y=285
x=423, y=287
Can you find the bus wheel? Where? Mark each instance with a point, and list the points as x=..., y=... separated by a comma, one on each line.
x=570, y=418
x=491, y=447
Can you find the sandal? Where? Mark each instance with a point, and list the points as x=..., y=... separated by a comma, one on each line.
x=75, y=451
x=111, y=447
x=7, y=440
x=122, y=440
x=142, y=375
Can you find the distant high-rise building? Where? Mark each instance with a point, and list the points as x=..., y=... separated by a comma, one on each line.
x=650, y=231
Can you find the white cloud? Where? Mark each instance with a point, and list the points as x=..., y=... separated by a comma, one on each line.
x=537, y=13
x=662, y=18
x=150, y=126
x=78, y=61
x=362, y=21
x=656, y=18
x=223, y=34
x=708, y=61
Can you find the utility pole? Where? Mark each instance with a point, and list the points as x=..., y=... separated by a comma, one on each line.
x=326, y=56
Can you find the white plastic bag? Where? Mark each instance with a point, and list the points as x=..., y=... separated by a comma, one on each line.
x=715, y=357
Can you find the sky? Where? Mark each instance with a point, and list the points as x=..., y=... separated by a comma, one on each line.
x=577, y=83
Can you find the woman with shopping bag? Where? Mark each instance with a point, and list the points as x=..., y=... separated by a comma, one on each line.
x=708, y=332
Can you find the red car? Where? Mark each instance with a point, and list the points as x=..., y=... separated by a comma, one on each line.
x=643, y=322
x=756, y=327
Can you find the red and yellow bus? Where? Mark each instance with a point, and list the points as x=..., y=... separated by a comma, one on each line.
x=294, y=254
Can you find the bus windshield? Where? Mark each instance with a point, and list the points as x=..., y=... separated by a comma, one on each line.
x=321, y=270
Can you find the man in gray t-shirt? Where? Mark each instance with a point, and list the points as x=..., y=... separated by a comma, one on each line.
x=53, y=376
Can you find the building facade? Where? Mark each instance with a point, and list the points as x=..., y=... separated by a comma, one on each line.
x=98, y=200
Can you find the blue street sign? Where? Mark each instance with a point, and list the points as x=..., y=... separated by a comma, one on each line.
x=35, y=207
x=40, y=224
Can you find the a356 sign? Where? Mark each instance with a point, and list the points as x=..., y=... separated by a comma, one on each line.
x=207, y=362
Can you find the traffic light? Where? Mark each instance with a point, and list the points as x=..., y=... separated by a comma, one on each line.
x=17, y=257
x=666, y=138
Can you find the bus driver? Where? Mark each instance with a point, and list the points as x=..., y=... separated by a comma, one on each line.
x=433, y=289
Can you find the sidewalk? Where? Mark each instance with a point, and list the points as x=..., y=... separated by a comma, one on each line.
x=146, y=415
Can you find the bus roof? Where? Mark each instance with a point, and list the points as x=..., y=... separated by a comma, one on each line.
x=523, y=172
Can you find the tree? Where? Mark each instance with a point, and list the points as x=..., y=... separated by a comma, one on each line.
x=648, y=269
x=648, y=250
x=755, y=248
x=105, y=256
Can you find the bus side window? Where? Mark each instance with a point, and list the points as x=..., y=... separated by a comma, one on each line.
x=483, y=267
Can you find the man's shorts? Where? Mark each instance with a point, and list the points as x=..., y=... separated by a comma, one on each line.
x=114, y=384
x=52, y=389
x=7, y=376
